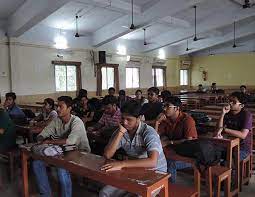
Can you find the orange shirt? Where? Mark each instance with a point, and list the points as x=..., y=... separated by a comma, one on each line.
x=184, y=127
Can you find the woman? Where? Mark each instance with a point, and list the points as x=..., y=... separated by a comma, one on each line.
x=140, y=98
x=49, y=112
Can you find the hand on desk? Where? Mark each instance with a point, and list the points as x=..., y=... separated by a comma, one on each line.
x=112, y=166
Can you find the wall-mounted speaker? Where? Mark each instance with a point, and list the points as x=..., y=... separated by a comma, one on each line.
x=102, y=57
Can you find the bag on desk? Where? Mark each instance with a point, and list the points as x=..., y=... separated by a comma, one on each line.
x=205, y=152
x=51, y=150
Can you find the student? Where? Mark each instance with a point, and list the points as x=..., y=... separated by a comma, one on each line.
x=139, y=140
x=111, y=91
x=49, y=112
x=140, y=98
x=200, y=89
x=15, y=113
x=77, y=101
x=213, y=88
x=237, y=122
x=174, y=127
x=7, y=132
x=111, y=116
x=151, y=110
x=244, y=92
x=165, y=94
x=66, y=129
x=122, y=99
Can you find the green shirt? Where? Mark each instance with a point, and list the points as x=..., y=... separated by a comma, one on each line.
x=8, y=138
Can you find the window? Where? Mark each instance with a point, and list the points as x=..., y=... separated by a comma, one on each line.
x=67, y=76
x=107, y=77
x=132, y=77
x=158, y=76
x=184, y=77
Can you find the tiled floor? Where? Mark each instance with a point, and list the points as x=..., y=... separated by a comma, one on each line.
x=14, y=189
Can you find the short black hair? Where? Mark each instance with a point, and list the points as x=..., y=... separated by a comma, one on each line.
x=200, y=85
x=67, y=100
x=11, y=94
x=153, y=89
x=122, y=92
x=243, y=86
x=82, y=93
x=138, y=91
x=109, y=99
x=213, y=84
x=111, y=88
x=131, y=108
x=240, y=97
x=50, y=101
x=174, y=100
x=165, y=94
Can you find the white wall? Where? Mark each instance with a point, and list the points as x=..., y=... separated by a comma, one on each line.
x=4, y=69
x=33, y=73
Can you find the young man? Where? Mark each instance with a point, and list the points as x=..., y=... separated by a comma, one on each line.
x=111, y=91
x=213, y=88
x=236, y=121
x=139, y=140
x=16, y=114
x=122, y=98
x=151, y=110
x=66, y=129
x=111, y=117
x=244, y=92
x=175, y=126
x=200, y=89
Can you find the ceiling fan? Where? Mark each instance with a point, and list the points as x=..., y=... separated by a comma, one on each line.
x=144, y=37
x=132, y=26
x=234, y=40
x=244, y=5
x=77, y=34
x=195, y=35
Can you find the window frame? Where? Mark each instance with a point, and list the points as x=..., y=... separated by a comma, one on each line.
x=188, y=80
x=139, y=75
x=164, y=76
x=78, y=73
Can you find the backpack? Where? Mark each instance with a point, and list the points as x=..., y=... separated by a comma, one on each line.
x=204, y=151
x=199, y=117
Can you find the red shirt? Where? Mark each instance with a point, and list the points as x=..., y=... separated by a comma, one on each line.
x=182, y=128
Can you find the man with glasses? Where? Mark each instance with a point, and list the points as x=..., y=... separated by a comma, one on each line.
x=174, y=127
x=151, y=110
x=237, y=122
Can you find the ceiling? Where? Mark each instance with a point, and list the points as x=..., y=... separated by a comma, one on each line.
x=104, y=24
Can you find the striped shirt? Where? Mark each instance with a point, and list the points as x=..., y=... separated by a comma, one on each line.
x=74, y=131
x=145, y=140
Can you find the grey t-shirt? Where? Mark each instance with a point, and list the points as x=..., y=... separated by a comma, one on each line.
x=74, y=131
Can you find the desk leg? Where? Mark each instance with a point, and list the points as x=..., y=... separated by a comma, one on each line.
x=24, y=158
x=164, y=190
x=197, y=180
x=237, y=167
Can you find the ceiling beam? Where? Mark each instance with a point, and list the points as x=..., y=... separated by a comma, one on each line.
x=31, y=13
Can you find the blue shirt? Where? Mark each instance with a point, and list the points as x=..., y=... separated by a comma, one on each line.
x=16, y=113
x=145, y=140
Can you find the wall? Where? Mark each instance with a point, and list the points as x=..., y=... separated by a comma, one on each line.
x=4, y=69
x=228, y=71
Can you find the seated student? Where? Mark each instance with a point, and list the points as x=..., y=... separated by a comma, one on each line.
x=213, y=88
x=164, y=94
x=49, y=112
x=66, y=129
x=175, y=126
x=200, y=89
x=15, y=113
x=7, y=132
x=244, y=92
x=110, y=118
x=77, y=101
x=140, y=98
x=111, y=91
x=139, y=140
x=122, y=98
x=236, y=121
x=151, y=110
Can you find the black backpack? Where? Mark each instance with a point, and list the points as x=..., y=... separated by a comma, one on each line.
x=204, y=151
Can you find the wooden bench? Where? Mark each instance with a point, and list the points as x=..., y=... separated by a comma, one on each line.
x=181, y=191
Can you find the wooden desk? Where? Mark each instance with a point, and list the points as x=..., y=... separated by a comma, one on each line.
x=33, y=106
x=135, y=180
x=29, y=131
x=171, y=154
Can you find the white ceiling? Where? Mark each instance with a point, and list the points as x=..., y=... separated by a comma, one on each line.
x=105, y=24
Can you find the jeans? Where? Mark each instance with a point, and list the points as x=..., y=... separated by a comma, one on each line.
x=173, y=166
x=41, y=176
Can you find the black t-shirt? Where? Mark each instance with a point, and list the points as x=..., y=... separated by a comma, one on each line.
x=151, y=110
